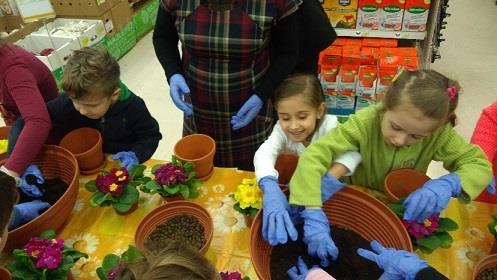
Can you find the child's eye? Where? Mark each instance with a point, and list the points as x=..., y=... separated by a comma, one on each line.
x=417, y=137
x=395, y=127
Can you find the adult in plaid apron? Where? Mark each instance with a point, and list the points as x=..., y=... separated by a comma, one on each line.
x=225, y=61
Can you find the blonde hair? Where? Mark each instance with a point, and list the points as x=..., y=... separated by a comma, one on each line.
x=428, y=91
x=90, y=71
x=8, y=198
x=176, y=261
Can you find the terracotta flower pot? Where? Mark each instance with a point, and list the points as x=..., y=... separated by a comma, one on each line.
x=401, y=182
x=285, y=165
x=4, y=135
x=86, y=145
x=198, y=149
x=163, y=213
x=249, y=220
x=485, y=263
x=350, y=209
x=54, y=162
x=494, y=247
x=5, y=274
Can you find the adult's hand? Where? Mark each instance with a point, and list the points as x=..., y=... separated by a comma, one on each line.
x=247, y=113
x=127, y=159
x=178, y=89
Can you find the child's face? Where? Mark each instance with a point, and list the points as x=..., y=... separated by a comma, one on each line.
x=95, y=106
x=297, y=118
x=406, y=125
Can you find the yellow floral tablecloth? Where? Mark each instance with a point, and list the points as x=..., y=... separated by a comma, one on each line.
x=100, y=231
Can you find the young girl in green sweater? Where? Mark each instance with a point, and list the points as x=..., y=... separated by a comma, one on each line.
x=409, y=129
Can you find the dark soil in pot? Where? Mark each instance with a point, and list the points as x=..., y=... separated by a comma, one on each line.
x=183, y=228
x=348, y=266
x=52, y=190
x=488, y=274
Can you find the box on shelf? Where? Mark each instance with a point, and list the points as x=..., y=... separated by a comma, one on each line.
x=145, y=16
x=62, y=49
x=416, y=15
x=123, y=41
x=391, y=14
x=366, y=84
x=345, y=103
x=363, y=102
x=80, y=7
x=342, y=13
x=86, y=32
x=368, y=14
x=10, y=23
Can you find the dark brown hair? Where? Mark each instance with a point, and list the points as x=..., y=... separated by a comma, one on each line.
x=90, y=71
x=176, y=261
x=428, y=91
x=306, y=85
x=9, y=197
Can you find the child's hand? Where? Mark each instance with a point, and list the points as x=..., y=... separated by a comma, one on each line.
x=127, y=159
x=432, y=197
x=317, y=236
x=329, y=186
x=299, y=271
x=31, y=189
x=276, y=222
x=25, y=212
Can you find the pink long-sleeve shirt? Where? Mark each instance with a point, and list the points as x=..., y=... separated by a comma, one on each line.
x=26, y=84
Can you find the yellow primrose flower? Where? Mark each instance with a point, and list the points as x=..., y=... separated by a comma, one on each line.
x=248, y=194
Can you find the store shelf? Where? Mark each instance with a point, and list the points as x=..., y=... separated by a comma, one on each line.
x=380, y=34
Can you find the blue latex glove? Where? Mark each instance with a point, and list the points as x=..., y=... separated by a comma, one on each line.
x=491, y=187
x=31, y=190
x=247, y=113
x=178, y=89
x=127, y=159
x=317, y=236
x=396, y=264
x=276, y=222
x=300, y=271
x=329, y=186
x=432, y=197
x=25, y=212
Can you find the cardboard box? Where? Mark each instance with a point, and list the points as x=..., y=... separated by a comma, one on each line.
x=62, y=49
x=121, y=42
x=80, y=7
x=368, y=14
x=144, y=18
x=122, y=14
x=342, y=13
x=416, y=15
x=391, y=15
x=9, y=23
x=93, y=31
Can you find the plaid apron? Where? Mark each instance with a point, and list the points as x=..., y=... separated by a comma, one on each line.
x=225, y=57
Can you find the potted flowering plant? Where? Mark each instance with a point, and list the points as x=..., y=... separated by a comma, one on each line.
x=113, y=265
x=234, y=275
x=492, y=227
x=117, y=188
x=248, y=197
x=173, y=179
x=431, y=233
x=44, y=258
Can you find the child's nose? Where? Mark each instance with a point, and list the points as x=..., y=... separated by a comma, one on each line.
x=400, y=139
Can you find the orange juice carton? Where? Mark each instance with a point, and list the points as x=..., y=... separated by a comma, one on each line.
x=329, y=77
x=369, y=56
x=342, y=13
x=330, y=99
x=390, y=43
x=345, y=103
x=351, y=54
x=368, y=14
x=363, y=102
x=366, y=85
x=409, y=62
x=332, y=55
x=416, y=15
x=340, y=41
x=385, y=78
x=389, y=58
x=348, y=77
x=391, y=15
x=379, y=42
x=353, y=42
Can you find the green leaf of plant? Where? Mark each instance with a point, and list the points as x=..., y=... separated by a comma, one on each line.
x=425, y=250
x=91, y=186
x=155, y=167
x=185, y=192
x=172, y=190
x=491, y=228
x=137, y=170
x=109, y=262
x=431, y=242
x=398, y=209
x=132, y=255
x=446, y=224
x=100, y=273
x=129, y=196
x=194, y=193
x=120, y=207
x=48, y=234
x=152, y=187
x=98, y=199
x=445, y=239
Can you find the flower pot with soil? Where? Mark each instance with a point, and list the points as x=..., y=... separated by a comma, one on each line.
x=285, y=165
x=4, y=274
x=182, y=221
x=198, y=149
x=54, y=162
x=486, y=268
x=373, y=220
x=86, y=145
x=401, y=182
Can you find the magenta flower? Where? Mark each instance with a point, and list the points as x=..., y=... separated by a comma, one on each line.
x=113, y=182
x=121, y=175
x=114, y=272
x=169, y=175
x=420, y=230
x=47, y=253
x=231, y=276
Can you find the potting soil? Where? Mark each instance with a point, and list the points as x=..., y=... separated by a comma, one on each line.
x=488, y=274
x=52, y=190
x=183, y=228
x=349, y=265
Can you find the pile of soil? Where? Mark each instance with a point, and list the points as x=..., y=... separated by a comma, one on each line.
x=488, y=274
x=349, y=264
x=183, y=228
x=52, y=190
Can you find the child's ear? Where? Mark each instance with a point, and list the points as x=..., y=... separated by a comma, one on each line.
x=321, y=110
x=115, y=95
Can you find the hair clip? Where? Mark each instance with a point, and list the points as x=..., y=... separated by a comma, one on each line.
x=452, y=92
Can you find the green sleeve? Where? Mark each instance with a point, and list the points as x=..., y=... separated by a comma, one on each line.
x=466, y=160
x=305, y=185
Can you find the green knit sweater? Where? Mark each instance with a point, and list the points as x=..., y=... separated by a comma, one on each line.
x=362, y=133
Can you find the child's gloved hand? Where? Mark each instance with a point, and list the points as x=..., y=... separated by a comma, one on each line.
x=300, y=271
x=127, y=159
x=432, y=197
x=25, y=212
x=396, y=264
x=317, y=236
x=276, y=222
x=329, y=186
x=247, y=112
x=31, y=189
x=491, y=187
x=178, y=89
